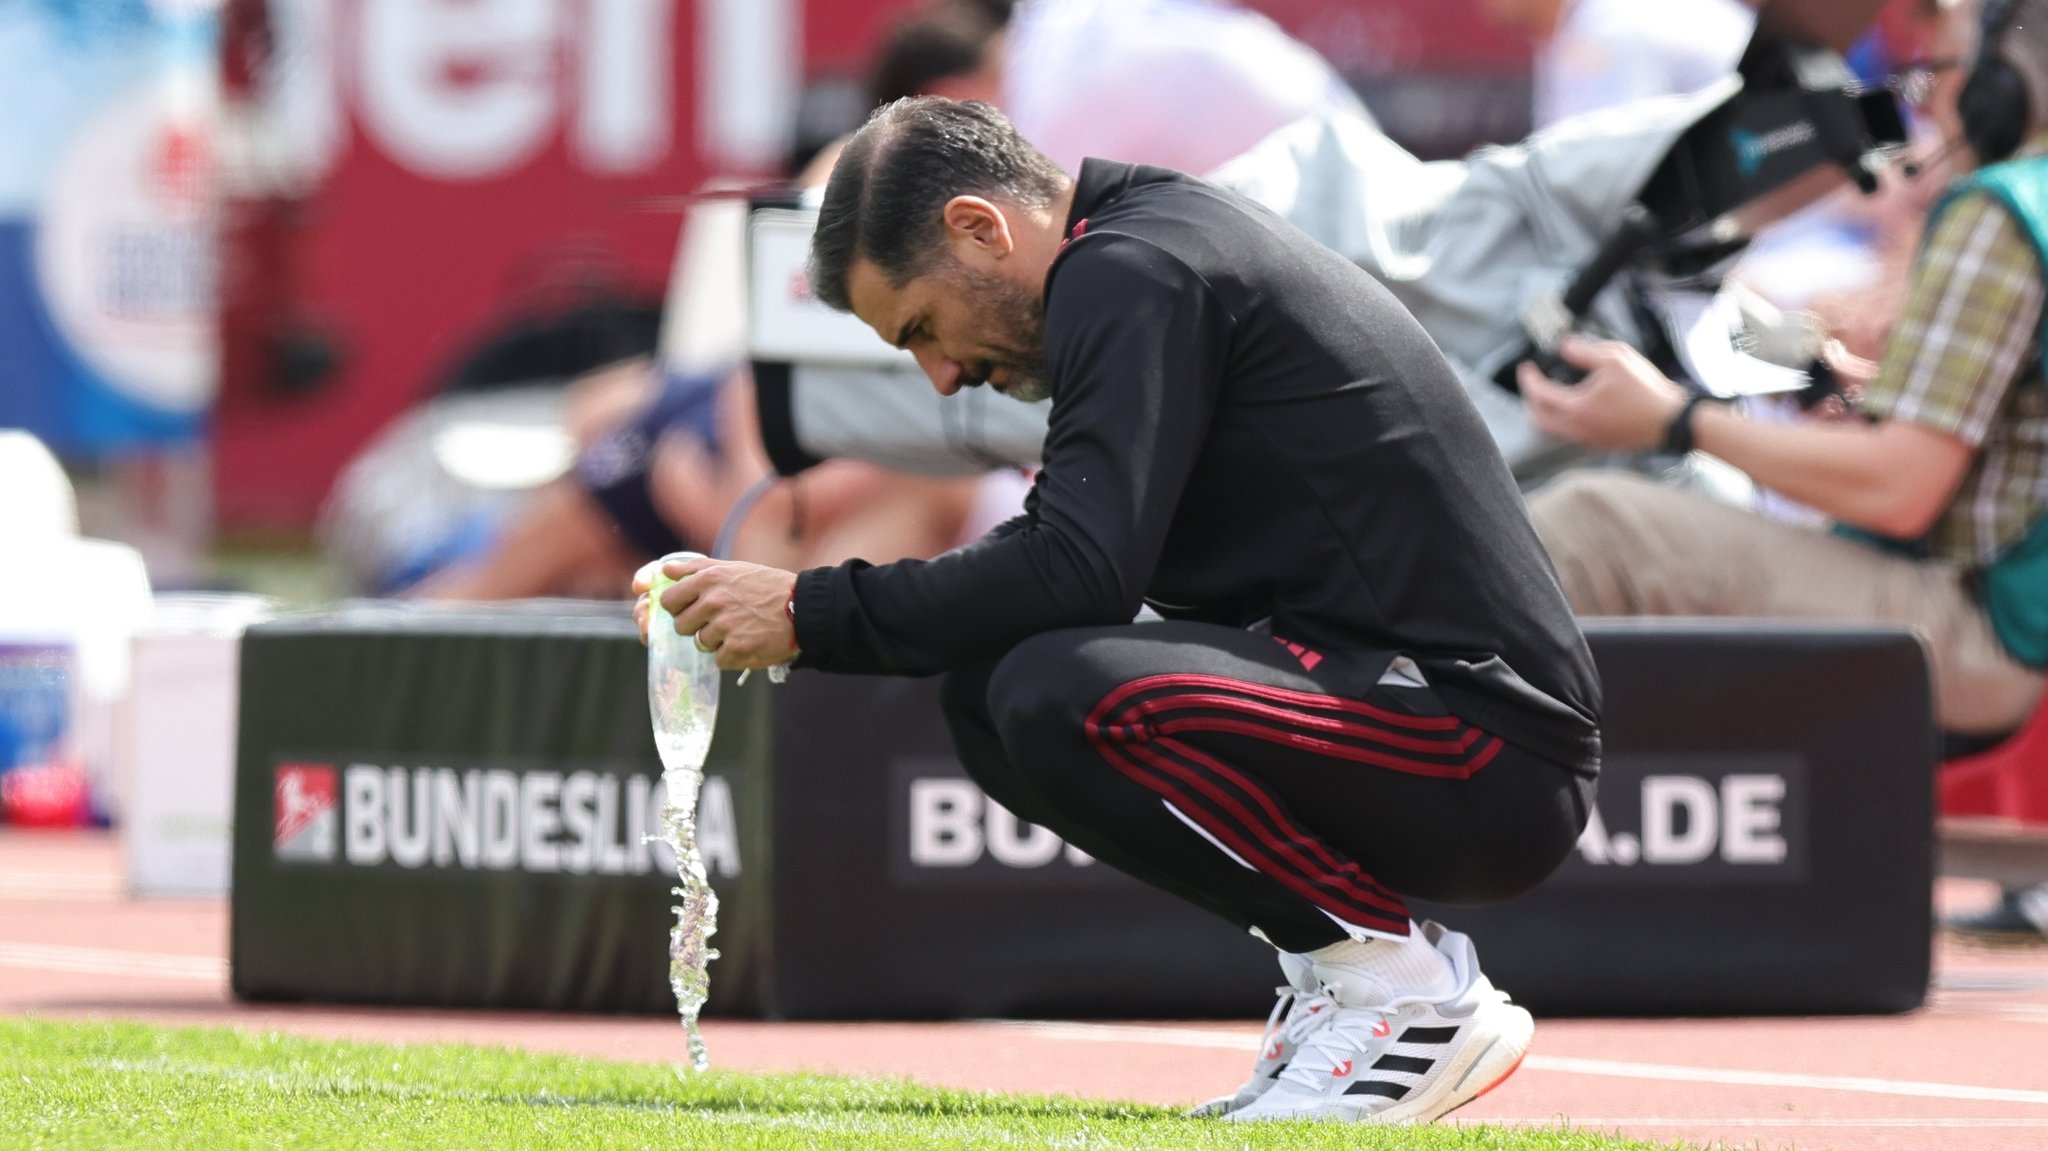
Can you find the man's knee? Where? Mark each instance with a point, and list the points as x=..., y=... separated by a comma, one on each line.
x=1602, y=529
x=1582, y=503
x=984, y=754
x=1038, y=698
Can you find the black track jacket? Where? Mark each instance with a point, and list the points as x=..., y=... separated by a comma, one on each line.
x=1244, y=426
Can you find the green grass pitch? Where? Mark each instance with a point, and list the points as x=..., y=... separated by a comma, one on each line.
x=114, y=1085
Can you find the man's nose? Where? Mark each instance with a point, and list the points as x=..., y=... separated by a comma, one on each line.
x=945, y=374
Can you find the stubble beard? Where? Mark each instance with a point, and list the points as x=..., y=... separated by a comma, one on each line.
x=1014, y=317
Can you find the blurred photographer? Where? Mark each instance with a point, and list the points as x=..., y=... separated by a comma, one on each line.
x=1938, y=490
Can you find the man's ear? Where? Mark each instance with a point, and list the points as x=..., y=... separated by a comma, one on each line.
x=977, y=230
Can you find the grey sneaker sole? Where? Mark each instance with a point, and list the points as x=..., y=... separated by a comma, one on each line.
x=1215, y=1108
x=1243, y=1097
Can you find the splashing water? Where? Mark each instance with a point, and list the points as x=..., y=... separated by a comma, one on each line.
x=682, y=698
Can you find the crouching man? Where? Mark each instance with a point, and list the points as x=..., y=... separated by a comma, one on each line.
x=1367, y=685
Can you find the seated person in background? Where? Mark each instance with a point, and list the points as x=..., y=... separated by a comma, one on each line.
x=1928, y=39
x=1949, y=463
x=667, y=479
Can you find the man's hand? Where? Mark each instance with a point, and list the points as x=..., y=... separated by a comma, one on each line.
x=737, y=610
x=1623, y=404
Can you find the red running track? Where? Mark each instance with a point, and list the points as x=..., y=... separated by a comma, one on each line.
x=1968, y=1073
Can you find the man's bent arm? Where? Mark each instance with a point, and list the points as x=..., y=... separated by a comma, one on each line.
x=1892, y=477
x=1139, y=346
x=1969, y=328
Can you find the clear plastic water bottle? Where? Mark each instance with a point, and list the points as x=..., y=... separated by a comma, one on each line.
x=682, y=697
x=682, y=693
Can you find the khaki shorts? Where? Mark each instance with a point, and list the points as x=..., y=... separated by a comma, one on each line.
x=1625, y=545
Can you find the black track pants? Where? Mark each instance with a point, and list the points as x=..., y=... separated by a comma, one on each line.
x=1282, y=789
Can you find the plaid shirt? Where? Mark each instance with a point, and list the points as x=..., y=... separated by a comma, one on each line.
x=1965, y=360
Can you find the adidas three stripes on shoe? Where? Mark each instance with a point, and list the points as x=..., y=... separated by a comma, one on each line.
x=1388, y=1061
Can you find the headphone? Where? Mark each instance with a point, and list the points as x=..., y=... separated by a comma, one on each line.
x=1995, y=105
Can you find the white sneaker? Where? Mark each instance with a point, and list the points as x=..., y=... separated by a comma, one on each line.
x=1297, y=1012
x=1403, y=1060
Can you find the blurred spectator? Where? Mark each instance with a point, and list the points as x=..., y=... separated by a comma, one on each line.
x=1595, y=54
x=668, y=478
x=1942, y=487
x=952, y=52
x=1934, y=37
x=1183, y=84
x=667, y=457
x=953, y=49
x=1846, y=261
x=946, y=48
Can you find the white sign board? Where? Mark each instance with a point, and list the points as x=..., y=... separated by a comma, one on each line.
x=786, y=323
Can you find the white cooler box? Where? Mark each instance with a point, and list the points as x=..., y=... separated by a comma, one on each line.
x=177, y=751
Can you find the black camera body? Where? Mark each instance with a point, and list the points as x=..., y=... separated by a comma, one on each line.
x=1800, y=128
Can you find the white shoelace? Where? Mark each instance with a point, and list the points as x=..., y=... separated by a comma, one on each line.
x=1332, y=1037
x=1296, y=1014
x=1341, y=1036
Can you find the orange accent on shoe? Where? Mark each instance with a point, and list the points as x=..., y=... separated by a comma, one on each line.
x=1503, y=1078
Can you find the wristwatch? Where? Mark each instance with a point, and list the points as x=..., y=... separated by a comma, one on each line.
x=1678, y=433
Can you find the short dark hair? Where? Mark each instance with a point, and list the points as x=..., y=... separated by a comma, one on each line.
x=886, y=195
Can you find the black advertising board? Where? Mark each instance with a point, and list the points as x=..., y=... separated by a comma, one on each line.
x=448, y=807
x=1764, y=841
x=937, y=903
x=1763, y=845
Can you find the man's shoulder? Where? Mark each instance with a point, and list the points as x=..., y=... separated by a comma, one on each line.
x=1112, y=263
x=1154, y=212
x=1151, y=192
x=2018, y=188
x=1180, y=214
x=1986, y=221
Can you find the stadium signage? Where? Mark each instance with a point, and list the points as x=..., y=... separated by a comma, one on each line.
x=536, y=820
x=1726, y=818
x=954, y=824
x=945, y=831
x=1712, y=818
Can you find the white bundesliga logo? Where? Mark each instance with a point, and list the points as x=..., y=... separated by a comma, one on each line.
x=1689, y=820
x=491, y=819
